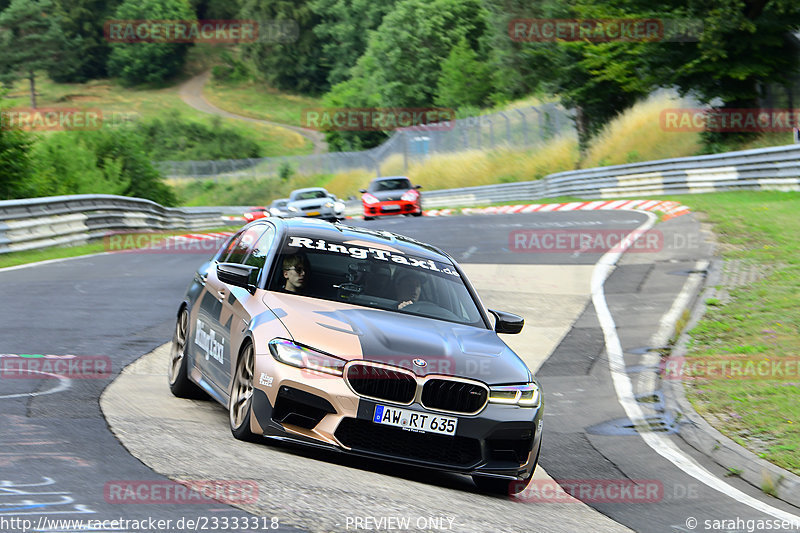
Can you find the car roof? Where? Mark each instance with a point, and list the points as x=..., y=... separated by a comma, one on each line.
x=319, y=229
x=308, y=189
x=386, y=178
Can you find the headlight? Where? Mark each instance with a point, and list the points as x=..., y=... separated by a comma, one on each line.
x=338, y=207
x=527, y=395
x=290, y=353
x=292, y=208
x=328, y=204
x=410, y=196
x=368, y=198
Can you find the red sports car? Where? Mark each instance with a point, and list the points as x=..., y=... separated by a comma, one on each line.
x=392, y=195
x=255, y=213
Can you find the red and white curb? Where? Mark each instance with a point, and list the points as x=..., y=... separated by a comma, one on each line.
x=670, y=209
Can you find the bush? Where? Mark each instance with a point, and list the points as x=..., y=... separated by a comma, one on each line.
x=16, y=170
x=179, y=140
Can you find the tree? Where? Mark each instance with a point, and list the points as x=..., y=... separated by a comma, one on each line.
x=31, y=40
x=299, y=65
x=82, y=23
x=144, y=62
x=403, y=61
x=465, y=81
x=743, y=45
x=344, y=28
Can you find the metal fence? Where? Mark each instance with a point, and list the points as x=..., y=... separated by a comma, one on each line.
x=518, y=128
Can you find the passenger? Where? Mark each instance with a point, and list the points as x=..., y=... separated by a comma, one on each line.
x=296, y=271
x=409, y=287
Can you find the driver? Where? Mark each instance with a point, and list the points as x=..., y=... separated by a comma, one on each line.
x=409, y=286
x=296, y=271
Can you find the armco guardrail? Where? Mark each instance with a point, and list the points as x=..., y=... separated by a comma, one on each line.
x=61, y=220
x=775, y=168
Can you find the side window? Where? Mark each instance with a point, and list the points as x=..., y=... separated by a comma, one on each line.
x=245, y=244
x=259, y=253
x=223, y=254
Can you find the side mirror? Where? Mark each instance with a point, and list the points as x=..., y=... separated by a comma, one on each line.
x=362, y=191
x=417, y=186
x=236, y=275
x=507, y=322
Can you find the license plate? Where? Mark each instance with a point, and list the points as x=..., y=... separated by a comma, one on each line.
x=313, y=213
x=391, y=207
x=414, y=420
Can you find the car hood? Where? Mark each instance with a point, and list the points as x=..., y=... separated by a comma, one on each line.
x=353, y=332
x=313, y=202
x=384, y=196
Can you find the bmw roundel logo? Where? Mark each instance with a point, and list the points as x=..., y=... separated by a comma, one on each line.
x=420, y=362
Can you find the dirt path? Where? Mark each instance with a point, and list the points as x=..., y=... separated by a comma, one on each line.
x=191, y=92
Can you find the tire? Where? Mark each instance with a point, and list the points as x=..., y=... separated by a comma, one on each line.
x=368, y=218
x=240, y=403
x=505, y=487
x=177, y=373
x=417, y=214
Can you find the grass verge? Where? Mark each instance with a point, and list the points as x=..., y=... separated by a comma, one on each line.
x=97, y=247
x=255, y=100
x=760, y=321
x=147, y=103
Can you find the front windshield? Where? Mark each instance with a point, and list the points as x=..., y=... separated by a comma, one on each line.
x=390, y=185
x=376, y=276
x=310, y=195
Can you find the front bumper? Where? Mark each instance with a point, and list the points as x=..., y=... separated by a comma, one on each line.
x=500, y=441
x=389, y=208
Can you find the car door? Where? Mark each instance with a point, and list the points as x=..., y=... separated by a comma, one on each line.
x=212, y=339
x=241, y=304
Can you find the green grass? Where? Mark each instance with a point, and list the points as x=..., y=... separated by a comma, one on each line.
x=62, y=252
x=255, y=100
x=761, y=321
x=146, y=103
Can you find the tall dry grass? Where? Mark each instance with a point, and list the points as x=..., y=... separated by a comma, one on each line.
x=637, y=135
x=474, y=167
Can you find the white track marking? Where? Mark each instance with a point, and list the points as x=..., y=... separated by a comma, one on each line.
x=624, y=389
x=64, y=384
